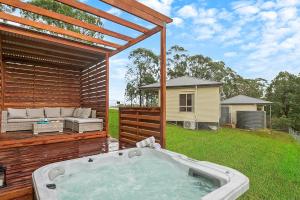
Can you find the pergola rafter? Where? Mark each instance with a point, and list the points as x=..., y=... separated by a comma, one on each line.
x=131, y=6
x=64, y=18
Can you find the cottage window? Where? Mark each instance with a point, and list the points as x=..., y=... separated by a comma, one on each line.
x=186, y=102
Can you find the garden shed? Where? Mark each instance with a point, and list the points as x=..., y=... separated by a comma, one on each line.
x=241, y=103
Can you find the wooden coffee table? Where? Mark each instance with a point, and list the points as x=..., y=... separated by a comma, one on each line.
x=49, y=127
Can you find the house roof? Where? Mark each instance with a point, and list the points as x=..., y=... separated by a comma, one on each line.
x=184, y=81
x=242, y=99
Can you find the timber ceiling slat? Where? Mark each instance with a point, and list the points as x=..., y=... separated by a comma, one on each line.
x=45, y=37
x=51, y=48
x=67, y=19
x=57, y=30
x=105, y=15
x=29, y=57
x=9, y=44
x=15, y=48
x=24, y=64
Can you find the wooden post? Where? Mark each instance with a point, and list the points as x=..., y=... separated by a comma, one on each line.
x=163, y=63
x=2, y=75
x=107, y=96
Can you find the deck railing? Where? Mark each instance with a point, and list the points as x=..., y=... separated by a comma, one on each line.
x=137, y=124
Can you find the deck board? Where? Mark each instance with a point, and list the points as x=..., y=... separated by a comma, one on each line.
x=26, y=138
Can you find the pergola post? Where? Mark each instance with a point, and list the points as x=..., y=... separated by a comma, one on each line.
x=163, y=62
x=107, y=95
x=2, y=75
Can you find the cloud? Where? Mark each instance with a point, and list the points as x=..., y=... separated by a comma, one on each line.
x=188, y=11
x=163, y=6
x=230, y=54
x=177, y=21
x=288, y=13
x=118, y=68
x=115, y=11
x=265, y=33
x=268, y=15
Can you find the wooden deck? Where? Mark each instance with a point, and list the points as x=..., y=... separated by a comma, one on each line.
x=22, y=153
x=26, y=138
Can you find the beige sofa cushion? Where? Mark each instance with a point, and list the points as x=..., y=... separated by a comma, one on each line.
x=89, y=120
x=85, y=113
x=52, y=112
x=16, y=113
x=22, y=120
x=70, y=119
x=56, y=119
x=77, y=112
x=67, y=112
x=35, y=112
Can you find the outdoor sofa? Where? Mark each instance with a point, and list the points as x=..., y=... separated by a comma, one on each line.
x=78, y=119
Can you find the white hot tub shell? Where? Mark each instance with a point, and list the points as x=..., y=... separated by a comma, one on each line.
x=232, y=183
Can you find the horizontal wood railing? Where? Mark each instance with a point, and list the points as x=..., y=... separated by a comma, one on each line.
x=136, y=124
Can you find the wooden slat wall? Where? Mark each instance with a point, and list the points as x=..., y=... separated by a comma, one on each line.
x=137, y=124
x=93, y=88
x=22, y=161
x=28, y=85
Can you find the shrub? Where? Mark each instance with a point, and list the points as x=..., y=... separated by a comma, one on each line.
x=282, y=123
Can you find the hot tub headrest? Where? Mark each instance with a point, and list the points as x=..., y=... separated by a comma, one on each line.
x=133, y=153
x=55, y=172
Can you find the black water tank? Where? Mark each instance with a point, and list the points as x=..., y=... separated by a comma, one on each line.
x=251, y=119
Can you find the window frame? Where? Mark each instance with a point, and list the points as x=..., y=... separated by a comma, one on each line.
x=187, y=107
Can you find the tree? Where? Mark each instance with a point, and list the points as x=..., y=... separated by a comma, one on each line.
x=142, y=70
x=250, y=87
x=177, y=62
x=281, y=91
x=295, y=105
x=130, y=93
x=5, y=8
x=233, y=84
x=65, y=10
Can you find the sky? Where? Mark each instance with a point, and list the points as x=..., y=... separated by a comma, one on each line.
x=256, y=38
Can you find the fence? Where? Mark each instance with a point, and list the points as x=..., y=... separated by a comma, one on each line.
x=137, y=124
x=295, y=134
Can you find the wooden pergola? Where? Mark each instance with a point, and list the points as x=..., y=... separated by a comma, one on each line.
x=85, y=56
x=44, y=65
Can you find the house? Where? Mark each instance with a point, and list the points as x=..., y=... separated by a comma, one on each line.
x=231, y=107
x=192, y=99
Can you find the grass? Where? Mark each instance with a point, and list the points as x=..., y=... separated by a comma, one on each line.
x=271, y=161
x=114, y=123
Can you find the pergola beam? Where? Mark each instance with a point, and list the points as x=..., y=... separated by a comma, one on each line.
x=138, y=10
x=64, y=18
x=137, y=40
x=40, y=25
x=149, y=11
x=104, y=15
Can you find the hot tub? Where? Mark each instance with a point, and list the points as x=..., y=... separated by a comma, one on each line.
x=135, y=174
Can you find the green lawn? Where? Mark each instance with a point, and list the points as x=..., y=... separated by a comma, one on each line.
x=271, y=161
